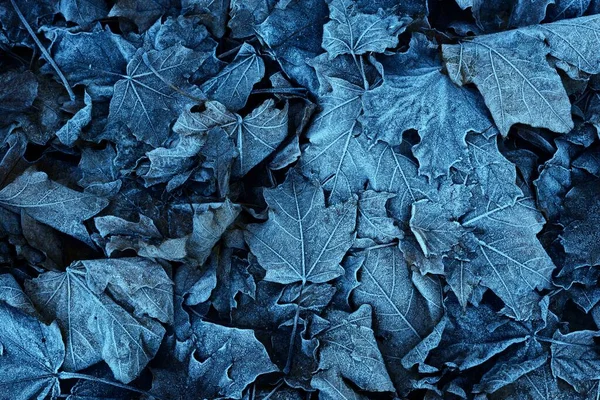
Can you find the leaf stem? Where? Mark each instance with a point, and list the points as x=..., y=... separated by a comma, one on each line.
x=75, y=375
x=290, y=355
x=296, y=91
x=43, y=50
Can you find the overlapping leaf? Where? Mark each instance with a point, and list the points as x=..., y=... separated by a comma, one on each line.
x=51, y=203
x=91, y=302
x=302, y=241
x=154, y=91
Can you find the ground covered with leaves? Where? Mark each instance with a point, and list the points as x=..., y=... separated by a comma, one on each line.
x=299, y=199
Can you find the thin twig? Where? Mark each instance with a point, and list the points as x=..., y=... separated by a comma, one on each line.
x=74, y=375
x=43, y=50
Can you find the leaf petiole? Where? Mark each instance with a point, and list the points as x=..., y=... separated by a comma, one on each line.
x=75, y=375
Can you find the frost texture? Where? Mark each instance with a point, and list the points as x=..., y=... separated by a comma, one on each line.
x=299, y=199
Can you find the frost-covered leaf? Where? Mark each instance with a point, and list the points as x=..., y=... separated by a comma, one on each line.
x=302, y=241
x=233, y=278
x=576, y=358
x=94, y=315
x=495, y=174
x=406, y=306
x=373, y=219
x=83, y=12
x=349, y=351
x=256, y=135
x=36, y=13
x=414, y=8
x=138, y=282
x=259, y=134
x=494, y=15
x=143, y=13
x=170, y=164
x=246, y=14
x=220, y=153
x=96, y=59
x=212, y=13
x=395, y=172
x=338, y=153
x=538, y=384
x=564, y=9
x=231, y=359
x=467, y=338
x=509, y=258
x=554, y=180
x=413, y=82
x=580, y=233
x=293, y=32
x=19, y=90
x=30, y=355
x=210, y=221
x=435, y=233
x=71, y=131
x=512, y=73
x=12, y=294
x=351, y=32
x=154, y=92
x=51, y=203
x=233, y=84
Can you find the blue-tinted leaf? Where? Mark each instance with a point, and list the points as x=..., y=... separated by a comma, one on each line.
x=373, y=219
x=168, y=164
x=212, y=13
x=539, y=384
x=12, y=294
x=349, y=351
x=256, y=135
x=233, y=84
x=98, y=326
x=564, y=9
x=210, y=221
x=83, y=12
x=407, y=306
x=302, y=241
x=141, y=12
x=154, y=92
x=70, y=132
x=511, y=72
x=509, y=258
x=495, y=174
x=579, y=237
x=293, y=33
x=339, y=154
x=435, y=233
x=51, y=203
x=413, y=82
x=232, y=358
x=19, y=90
x=219, y=152
x=495, y=15
x=576, y=359
x=246, y=14
x=352, y=32
x=30, y=355
x=96, y=59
